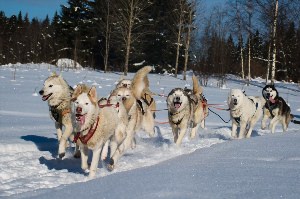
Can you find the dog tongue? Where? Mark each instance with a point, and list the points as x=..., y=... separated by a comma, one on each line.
x=177, y=105
x=271, y=100
x=81, y=119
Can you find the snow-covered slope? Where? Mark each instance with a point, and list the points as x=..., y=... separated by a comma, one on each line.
x=212, y=165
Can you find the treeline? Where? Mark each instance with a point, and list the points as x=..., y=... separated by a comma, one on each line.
x=172, y=35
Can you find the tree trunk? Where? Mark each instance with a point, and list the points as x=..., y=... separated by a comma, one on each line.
x=128, y=39
x=242, y=57
x=269, y=63
x=107, y=38
x=177, y=49
x=274, y=43
x=187, y=43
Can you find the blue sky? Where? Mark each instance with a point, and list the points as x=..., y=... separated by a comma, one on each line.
x=41, y=8
x=34, y=8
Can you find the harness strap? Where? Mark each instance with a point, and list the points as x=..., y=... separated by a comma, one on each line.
x=178, y=122
x=145, y=99
x=84, y=139
x=141, y=106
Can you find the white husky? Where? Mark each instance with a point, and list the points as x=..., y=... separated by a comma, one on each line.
x=96, y=125
x=244, y=110
x=58, y=94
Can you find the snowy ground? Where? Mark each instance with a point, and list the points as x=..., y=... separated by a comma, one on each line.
x=266, y=164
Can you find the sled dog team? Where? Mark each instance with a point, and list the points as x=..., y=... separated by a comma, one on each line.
x=112, y=123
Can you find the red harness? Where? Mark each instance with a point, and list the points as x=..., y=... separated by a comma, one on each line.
x=84, y=139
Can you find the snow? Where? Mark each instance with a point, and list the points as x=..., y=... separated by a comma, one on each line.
x=211, y=166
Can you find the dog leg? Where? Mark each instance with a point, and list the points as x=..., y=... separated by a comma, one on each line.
x=148, y=123
x=242, y=130
x=194, y=131
x=175, y=133
x=273, y=123
x=84, y=157
x=182, y=132
x=264, y=121
x=58, y=127
x=202, y=124
x=104, y=151
x=95, y=160
x=127, y=142
x=233, y=130
x=63, y=140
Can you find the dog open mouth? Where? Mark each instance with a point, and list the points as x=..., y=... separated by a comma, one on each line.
x=80, y=118
x=177, y=105
x=46, y=97
x=271, y=100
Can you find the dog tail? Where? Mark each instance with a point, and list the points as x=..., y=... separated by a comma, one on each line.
x=196, y=88
x=140, y=81
x=291, y=116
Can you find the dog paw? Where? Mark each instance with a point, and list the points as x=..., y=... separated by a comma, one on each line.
x=77, y=154
x=61, y=155
x=111, y=165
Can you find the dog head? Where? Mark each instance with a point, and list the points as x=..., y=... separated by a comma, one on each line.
x=124, y=83
x=270, y=93
x=85, y=104
x=235, y=98
x=55, y=89
x=177, y=99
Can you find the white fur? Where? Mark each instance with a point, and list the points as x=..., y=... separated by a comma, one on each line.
x=248, y=110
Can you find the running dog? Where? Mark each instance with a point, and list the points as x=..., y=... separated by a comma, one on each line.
x=139, y=113
x=244, y=110
x=186, y=108
x=58, y=94
x=275, y=109
x=147, y=95
x=96, y=125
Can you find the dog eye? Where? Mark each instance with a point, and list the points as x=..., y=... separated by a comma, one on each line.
x=86, y=103
x=50, y=85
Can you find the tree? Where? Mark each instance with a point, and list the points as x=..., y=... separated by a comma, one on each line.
x=128, y=14
x=274, y=42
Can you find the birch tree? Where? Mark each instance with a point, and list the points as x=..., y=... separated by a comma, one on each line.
x=128, y=15
x=190, y=26
x=179, y=13
x=274, y=42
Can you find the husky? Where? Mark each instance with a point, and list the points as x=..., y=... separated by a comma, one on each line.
x=244, y=110
x=96, y=125
x=57, y=93
x=275, y=109
x=139, y=114
x=186, y=108
x=147, y=95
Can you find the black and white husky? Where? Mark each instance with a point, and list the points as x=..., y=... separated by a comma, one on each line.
x=275, y=109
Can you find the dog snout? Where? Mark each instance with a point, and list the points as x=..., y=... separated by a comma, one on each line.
x=268, y=95
x=177, y=99
x=78, y=109
x=123, y=98
x=41, y=92
x=235, y=100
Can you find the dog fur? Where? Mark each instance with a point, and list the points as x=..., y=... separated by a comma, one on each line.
x=96, y=125
x=139, y=113
x=186, y=107
x=146, y=96
x=58, y=93
x=275, y=109
x=244, y=110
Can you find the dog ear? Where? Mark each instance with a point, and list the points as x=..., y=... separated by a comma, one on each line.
x=77, y=91
x=93, y=95
x=53, y=74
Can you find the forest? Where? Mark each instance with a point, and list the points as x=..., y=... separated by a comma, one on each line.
x=248, y=38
